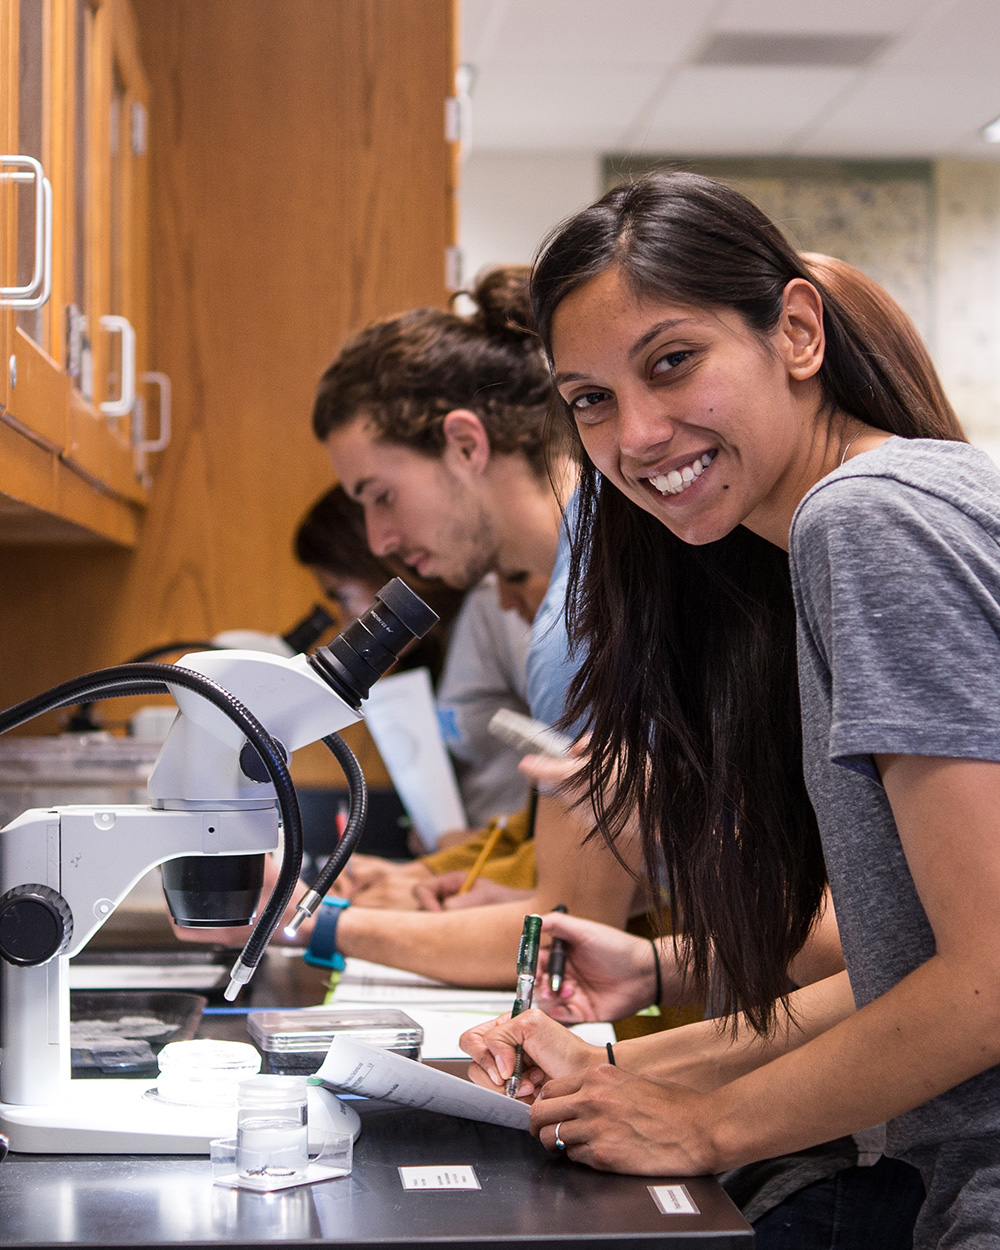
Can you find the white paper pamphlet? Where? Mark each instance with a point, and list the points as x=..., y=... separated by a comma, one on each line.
x=364, y=982
x=401, y=716
x=355, y=1068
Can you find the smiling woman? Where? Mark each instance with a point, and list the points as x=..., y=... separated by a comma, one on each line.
x=682, y=327
x=686, y=399
x=763, y=482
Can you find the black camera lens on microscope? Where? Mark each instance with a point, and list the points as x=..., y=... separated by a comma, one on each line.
x=369, y=646
x=212, y=892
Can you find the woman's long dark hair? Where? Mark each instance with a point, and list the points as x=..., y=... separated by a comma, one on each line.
x=688, y=678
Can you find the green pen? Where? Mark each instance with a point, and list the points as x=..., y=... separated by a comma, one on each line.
x=527, y=969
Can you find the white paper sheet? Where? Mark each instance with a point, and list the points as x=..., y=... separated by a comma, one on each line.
x=373, y=1073
x=401, y=716
x=356, y=969
x=490, y=1001
x=443, y=1028
x=364, y=982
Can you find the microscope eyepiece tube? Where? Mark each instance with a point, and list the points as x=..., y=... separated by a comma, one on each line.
x=369, y=646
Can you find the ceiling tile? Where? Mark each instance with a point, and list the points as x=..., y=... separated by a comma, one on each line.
x=548, y=107
x=612, y=74
x=963, y=37
x=731, y=103
x=894, y=108
x=599, y=33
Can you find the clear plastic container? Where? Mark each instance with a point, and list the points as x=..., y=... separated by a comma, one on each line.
x=330, y=1156
x=272, y=1134
x=296, y=1041
x=50, y=771
x=205, y=1073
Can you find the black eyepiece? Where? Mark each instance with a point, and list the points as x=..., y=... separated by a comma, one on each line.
x=369, y=646
x=309, y=630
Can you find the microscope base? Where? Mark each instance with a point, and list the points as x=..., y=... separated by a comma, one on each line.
x=125, y=1117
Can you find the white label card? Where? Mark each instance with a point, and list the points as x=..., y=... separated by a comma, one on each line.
x=446, y=1176
x=671, y=1199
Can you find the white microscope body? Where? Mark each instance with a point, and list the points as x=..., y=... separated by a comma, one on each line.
x=201, y=804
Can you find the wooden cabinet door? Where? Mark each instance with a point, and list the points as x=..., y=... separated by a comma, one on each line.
x=36, y=389
x=108, y=291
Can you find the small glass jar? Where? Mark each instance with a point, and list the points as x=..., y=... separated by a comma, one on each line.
x=272, y=1134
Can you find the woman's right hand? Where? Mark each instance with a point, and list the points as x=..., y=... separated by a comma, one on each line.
x=550, y=1050
x=608, y=1117
x=609, y=973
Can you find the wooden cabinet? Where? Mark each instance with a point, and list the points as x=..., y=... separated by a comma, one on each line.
x=77, y=103
x=37, y=394
x=301, y=184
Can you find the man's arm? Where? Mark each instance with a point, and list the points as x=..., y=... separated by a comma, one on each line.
x=478, y=945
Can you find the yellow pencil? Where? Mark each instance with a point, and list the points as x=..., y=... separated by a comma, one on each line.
x=481, y=858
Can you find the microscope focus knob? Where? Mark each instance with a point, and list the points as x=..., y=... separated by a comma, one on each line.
x=36, y=924
x=252, y=765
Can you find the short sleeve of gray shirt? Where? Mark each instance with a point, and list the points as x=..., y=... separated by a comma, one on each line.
x=898, y=579
x=895, y=562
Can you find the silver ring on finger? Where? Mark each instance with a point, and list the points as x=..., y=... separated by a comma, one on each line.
x=560, y=1144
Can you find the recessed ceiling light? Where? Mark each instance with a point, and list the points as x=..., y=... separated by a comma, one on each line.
x=791, y=51
x=991, y=133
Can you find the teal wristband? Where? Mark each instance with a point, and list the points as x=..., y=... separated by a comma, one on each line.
x=322, y=948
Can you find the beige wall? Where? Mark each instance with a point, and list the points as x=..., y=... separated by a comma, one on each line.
x=510, y=200
x=966, y=294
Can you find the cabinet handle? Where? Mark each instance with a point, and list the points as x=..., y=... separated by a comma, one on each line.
x=125, y=402
x=36, y=292
x=162, y=381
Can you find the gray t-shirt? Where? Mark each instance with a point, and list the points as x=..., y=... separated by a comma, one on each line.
x=895, y=561
x=484, y=671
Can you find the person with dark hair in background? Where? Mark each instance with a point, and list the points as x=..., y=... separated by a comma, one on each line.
x=436, y=425
x=331, y=542
x=786, y=590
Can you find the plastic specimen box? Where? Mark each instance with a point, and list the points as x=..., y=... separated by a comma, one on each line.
x=296, y=1041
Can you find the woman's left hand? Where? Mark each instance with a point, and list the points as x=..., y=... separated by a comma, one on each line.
x=617, y=1122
